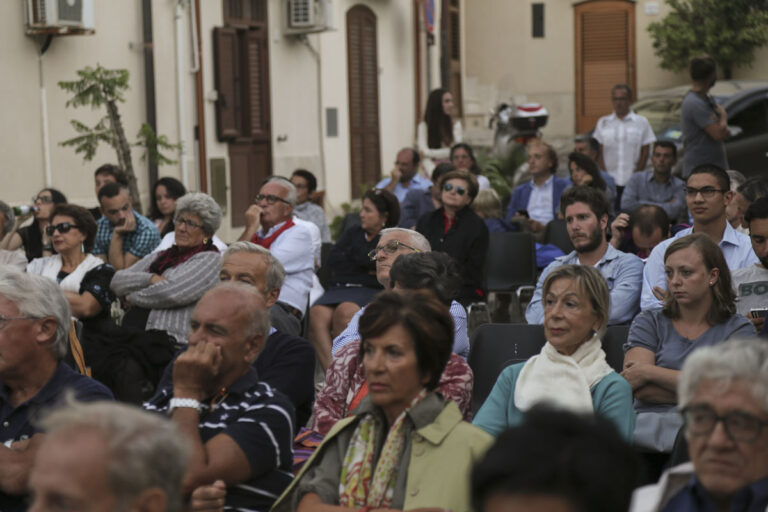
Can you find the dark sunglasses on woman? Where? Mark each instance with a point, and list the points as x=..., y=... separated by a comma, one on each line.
x=63, y=228
x=459, y=189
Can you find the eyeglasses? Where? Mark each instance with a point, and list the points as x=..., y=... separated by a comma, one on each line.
x=459, y=189
x=62, y=228
x=42, y=199
x=706, y=192
x=5, y=320
x=270, y=199
x=188, y=223
x=390, y=248
x=740, y=426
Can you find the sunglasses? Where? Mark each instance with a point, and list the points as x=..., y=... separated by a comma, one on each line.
x=459, y=189
x=62, y=228
x=270, y=199
x=389, y=248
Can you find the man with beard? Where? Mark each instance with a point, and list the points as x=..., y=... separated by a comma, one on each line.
x=751, y=283
x=585, y=210
x=405, y=176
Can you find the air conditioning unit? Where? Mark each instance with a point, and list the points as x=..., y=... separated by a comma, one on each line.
x=60, y=14
x=307, y=16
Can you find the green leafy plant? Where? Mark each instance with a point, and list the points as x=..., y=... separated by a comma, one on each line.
x=100, y=87
x=729, y=31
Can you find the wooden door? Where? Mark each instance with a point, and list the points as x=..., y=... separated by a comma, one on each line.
x=605, y=56
x=243, y=104
x=450, y=63
x=363, y=83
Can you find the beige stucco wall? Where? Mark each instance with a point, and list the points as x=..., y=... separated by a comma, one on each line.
x=117, y=43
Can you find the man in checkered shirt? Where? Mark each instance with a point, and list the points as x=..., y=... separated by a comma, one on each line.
x=124, y=236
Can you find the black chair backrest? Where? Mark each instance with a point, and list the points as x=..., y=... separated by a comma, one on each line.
x=613, y=345
x=510, y=261
x=556, y=234
x=324, y=272
x=496, y=346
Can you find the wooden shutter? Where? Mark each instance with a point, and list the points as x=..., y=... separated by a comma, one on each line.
x=363, y=82
x=227, y=79
x=605, y=56
x=256, y=97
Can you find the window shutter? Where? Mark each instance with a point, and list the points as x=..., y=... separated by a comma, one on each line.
x=228, y=109
x=257, y=96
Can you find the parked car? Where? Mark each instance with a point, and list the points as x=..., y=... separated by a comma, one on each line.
x=746, y=103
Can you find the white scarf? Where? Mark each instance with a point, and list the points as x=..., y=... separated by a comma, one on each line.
x=563, y=381
x=51, y=266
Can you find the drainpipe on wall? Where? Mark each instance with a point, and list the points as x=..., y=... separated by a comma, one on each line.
x=44, y=115
x=149, y=80
x=198, y=71
x=316, y=54
x=180, y=118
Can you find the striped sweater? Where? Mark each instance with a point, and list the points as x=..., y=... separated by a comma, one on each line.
x=172, y=300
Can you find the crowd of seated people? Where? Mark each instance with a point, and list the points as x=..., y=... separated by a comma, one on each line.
x=229, y=343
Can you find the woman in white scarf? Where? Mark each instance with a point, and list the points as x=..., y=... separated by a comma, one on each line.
x=570, y=372
x=83, y=277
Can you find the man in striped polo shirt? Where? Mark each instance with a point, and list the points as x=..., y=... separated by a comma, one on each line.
x=241, y=429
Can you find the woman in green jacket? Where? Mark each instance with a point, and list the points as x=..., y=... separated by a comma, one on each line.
x=405, y=447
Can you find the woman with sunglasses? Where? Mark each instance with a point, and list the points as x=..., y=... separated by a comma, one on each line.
x=33, y=237
x=83, y=277
x=353, y=272
x=457, y=230
x=163, y=288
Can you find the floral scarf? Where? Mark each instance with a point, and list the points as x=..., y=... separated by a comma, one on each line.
x=361, y=483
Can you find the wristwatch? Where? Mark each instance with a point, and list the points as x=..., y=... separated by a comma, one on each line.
x=189, y=403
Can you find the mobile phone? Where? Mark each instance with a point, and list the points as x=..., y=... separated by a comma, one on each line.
x=758, y=312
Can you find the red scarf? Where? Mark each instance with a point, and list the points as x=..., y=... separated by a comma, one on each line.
x=266, y=242
x=169, y=258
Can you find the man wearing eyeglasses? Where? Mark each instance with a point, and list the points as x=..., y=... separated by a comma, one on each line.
x=269, y=223
x=123, y=235
x=722, y=397
x=707, y=195
x=34, y=334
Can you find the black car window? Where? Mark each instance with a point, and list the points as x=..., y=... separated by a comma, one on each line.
x=752, y=119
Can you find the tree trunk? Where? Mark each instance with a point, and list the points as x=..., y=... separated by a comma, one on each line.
x=124, y=153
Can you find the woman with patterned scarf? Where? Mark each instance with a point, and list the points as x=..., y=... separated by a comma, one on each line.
x=405, y=447
x=163, y=288
x=570, y=372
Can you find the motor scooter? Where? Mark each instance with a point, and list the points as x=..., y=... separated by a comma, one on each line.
x=514, y=126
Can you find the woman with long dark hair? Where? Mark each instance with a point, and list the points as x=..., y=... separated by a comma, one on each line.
x=165, y=193
x=438, y=132
x=36, y=242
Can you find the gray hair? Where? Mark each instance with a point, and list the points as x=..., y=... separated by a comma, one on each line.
x=593, y=286
x=275, y=270
x=286, y=184
x=415, y=239
x=145, y=450
x=254, y=306
x=39, y=297
x=202, y=205
x=742, y=359
x=736, y=178
x=10, y=218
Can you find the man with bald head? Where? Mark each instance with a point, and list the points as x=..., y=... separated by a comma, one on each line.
x=240, y=429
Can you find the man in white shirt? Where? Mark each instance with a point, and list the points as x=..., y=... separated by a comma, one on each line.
x=625, y=138
x=751, y=283
x=707, y=195
x=269, y=223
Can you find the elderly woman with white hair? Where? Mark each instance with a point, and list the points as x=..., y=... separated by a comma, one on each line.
x=163, y=288
x=571, y=371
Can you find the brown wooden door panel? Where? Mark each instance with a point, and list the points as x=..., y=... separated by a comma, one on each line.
x=450, y=62
x=605, y=56
x=226, y=53
x=249, y=166
x=363, y=86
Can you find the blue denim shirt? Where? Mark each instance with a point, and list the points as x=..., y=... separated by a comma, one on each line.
x=623, y=273
x=694, y=498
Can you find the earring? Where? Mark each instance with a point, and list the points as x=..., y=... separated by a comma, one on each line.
x=205, y=240
x=82, y=247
